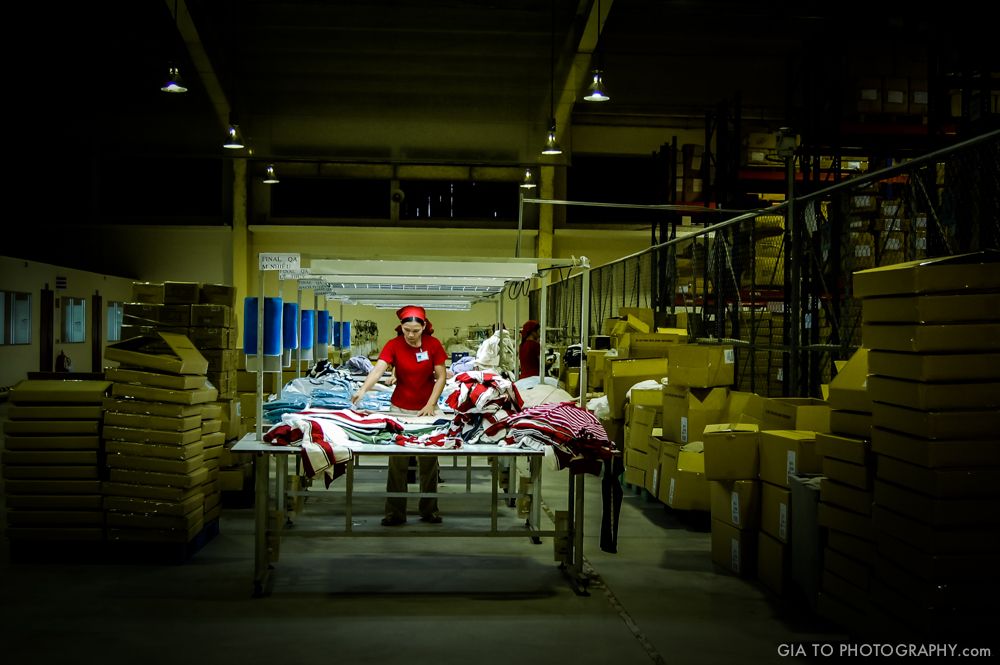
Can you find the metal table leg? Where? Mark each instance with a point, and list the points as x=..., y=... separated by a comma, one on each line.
x=261, y=501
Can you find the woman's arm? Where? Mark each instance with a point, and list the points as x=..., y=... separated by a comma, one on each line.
x=373, y=376
x=439, y=379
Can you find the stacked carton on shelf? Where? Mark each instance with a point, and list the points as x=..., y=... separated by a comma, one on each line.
x=731, y=464
x=51, y=461
x=933, y=328
x=162, y=464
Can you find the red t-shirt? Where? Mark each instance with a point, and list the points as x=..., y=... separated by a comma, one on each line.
x=527, y=356
x=414, y=379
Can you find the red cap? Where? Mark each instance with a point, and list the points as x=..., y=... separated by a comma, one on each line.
x=408, y=311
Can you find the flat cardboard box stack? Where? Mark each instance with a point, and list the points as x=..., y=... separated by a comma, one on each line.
x=51, y=461
x=205, y=314
x=163, y=441
x=933, y=327
x=846, y=491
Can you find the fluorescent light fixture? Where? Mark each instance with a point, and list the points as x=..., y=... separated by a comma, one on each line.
x=270, y=177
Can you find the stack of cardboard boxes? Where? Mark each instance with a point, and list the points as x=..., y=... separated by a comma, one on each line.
x=933, y=328
x=51, y=461
x=731, y=467
x=846, y=496
x=162, y=441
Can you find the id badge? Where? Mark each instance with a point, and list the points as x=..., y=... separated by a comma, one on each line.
x=422, y=356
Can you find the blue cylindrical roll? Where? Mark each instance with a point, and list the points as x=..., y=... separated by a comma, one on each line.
x=290, y=318
x=306, y=330
x=323, y=328
x=335, y=325
x=272, y=326
x=345, y=335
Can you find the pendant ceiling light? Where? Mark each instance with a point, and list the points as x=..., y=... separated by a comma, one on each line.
x=551, y=144
x=529, y=180
x=174, y=83
x=596, y=92
x=234, y=137
x=270, y=176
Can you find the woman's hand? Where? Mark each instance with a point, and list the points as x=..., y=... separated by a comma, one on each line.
x=428, y=410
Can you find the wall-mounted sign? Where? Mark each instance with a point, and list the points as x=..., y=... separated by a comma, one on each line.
x=278, y=261
x=301, y=273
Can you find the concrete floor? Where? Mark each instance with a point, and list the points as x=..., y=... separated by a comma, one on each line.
x=408, y=600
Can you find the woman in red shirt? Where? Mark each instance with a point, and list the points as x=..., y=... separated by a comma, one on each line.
x=528, y=352
x=417, y=358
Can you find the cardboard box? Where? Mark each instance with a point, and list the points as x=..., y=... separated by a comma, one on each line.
x=851, y=423
x=64, y=412
x=147, y=393
x=773, y=563
x=44, y=391
x=643, y=314
x=246, y=382
x=178, y=382
x=166, y=352
x=946, y=452
x=651, y=398
x=217, y=294
x=686, y=411
x=796, y=413
x=940, y=512
x=896, y=98
x=935, y=396
x=55, y=502
x=733, y=549
x=682, y=484
x=114, y=432
x=62, y=442
x=181, y=293
x=970, y=424
x=620, y=375
x=653, y=473
x=151, y=491
x=44, y=487
x=147, y=292
x=941, y=579
x=158, y=464
x=649, y=345
x=869, y=95
x=152, y=408
x=849, y=449
x=730, y=451
x=963, y=272
x=855, y=572
x=784, y=452
x=144, y=421
x=177, y=480
x=856, y=475
x=858, y=549
x=211, y=316
x=212, y=338
x=159, y=450
x=775, y=513
x=745, y=408
x=50, y=472
x=955, y=367
x=178, y=316
x=141, y=314
x=702, y=366
x=847, y=521
x=735, y=502
x=932, y=308
x=51, y=428
x=43, y=457
x=849, y=389
x=948, y=483
x=929, y=338
x=979, y=539
x=640, y=428
x=846, y=496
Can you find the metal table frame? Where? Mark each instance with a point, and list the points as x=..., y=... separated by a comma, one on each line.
x=572, y=563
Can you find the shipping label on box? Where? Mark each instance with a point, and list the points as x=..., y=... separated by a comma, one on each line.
x=775, y=513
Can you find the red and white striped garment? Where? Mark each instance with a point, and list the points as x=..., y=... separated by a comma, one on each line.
x=482, y=399
x=429, y=440
x=357, y=421
x=323, y=444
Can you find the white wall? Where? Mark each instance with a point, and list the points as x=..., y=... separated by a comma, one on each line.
x=31, y=277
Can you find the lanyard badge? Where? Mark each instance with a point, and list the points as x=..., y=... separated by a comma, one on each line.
x=422, y=356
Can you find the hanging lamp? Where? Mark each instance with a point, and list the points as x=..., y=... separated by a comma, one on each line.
x=270, y=176
x=551, y=143
x=234, y=138
x=174, y=83
x=529, y=180
x=596, y=90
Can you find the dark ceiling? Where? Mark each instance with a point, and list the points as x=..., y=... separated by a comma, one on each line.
x=426, y=80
